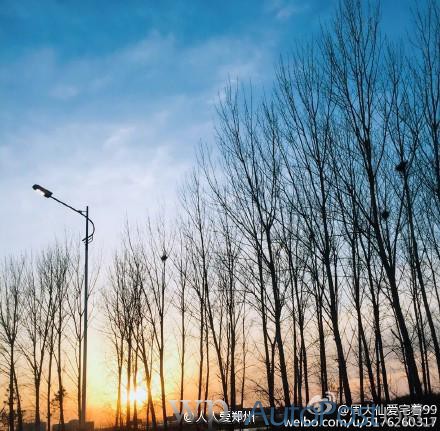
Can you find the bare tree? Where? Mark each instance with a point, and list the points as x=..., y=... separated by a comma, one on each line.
x=11, y=306
x=40, y=306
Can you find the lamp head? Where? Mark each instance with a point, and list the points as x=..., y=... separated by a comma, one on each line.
x=46, y=193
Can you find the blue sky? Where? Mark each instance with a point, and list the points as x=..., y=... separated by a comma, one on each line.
x=104, y=102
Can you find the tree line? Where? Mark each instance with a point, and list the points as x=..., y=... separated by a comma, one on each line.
x=41, y=335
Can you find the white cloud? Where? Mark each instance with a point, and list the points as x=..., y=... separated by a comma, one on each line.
x=285, y=9
x=120, y=147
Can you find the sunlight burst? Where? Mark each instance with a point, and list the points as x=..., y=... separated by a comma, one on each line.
x=140, y=396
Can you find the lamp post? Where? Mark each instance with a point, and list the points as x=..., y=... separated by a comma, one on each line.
x=86, y=240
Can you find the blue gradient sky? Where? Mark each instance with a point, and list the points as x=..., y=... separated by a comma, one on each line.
x=104, y=101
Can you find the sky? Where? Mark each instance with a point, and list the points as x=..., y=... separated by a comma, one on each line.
x=105, y=102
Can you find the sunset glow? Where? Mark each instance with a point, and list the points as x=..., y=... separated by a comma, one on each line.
x=140, y=396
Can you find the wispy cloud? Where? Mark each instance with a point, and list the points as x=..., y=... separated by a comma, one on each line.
x=285, y=9
x=117, y=131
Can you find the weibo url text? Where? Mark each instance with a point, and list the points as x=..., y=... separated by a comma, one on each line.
x=324, y=413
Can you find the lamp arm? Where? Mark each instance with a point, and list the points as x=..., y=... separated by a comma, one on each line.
x=89, y=239
x=67, y=205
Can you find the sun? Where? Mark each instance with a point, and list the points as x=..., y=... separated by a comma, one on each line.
x=140, y=395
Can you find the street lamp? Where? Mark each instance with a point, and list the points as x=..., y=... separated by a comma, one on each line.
x=86, y=240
